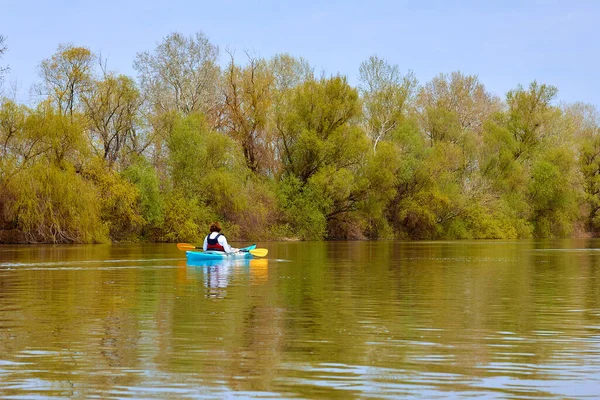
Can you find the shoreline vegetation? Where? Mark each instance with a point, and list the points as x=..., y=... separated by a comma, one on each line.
x=276, y=151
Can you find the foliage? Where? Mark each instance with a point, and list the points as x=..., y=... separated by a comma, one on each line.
x=119, y=202
x=247, y=103
x=51, y=204
x=301, y=212
x=112, y=107
x=180, y=75
x=183, y=220
x=555, y=203
x=65, y=76
x=143, y=176
x=386, y=97
x=273, y=152
x=315, y=131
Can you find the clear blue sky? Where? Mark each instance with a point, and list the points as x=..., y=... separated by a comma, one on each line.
x=505, y=43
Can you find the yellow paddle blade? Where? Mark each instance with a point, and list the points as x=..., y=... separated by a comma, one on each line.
x=259, y=252
x=185, y=246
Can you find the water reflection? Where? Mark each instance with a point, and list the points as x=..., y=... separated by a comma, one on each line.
x=335, y=320
x=216, y=274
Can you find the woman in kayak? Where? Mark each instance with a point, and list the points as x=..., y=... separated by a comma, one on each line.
x=217, y=241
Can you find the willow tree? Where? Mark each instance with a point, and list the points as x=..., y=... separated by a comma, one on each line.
x=43, y=194
x=452, y=110
x=552, y=193
x=315, y=130
x=15, y=150
x=523, y=147
x=515, y=137
x=530, y=117
x=178, y=78
x=320, y=151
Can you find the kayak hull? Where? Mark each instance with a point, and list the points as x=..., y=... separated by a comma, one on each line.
x=199, y=256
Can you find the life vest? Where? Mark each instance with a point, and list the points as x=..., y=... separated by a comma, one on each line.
x=213, y=244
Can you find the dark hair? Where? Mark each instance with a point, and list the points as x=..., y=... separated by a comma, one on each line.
x=215, y=227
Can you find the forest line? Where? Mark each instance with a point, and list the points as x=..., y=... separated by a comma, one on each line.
x=276, y=152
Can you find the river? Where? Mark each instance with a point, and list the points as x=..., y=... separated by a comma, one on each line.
x=339, y=320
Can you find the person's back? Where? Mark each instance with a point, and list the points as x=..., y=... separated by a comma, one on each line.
x=216, y=241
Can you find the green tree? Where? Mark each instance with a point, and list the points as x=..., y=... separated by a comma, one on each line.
x=288, y=73
x=54, y=204
x=209, y=171
x=301, y=215
x=438, y=198
x=65, y=76
x=247, y=104
x=58, y=137
x=141, y=173
x=552, y=194
x=322, y=151
x=118, y=199
x=519, y=147
x=530, y=115
x=112, y=106
x=15, y=149
x=315, y=131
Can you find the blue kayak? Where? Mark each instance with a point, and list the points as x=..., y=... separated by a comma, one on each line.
x=225, y=263
x=199, y=256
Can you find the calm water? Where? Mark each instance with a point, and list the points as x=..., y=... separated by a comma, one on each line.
x=311, y=320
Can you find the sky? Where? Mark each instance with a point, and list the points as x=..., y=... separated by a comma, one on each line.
x=505, y=43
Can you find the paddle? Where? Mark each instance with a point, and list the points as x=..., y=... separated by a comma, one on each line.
x=186, y=246
x=255, y=252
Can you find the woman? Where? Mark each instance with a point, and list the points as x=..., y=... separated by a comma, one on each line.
x=215, y=240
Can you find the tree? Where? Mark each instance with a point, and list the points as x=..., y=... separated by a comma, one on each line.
x=585, y=120
x=451, y=106
x=530, y=116
x=289, y=72
x=33, y=136
x=52, y=204
x=206, y=166
x=552, y=194
x=321, y=151
x=527, y=150
x=247, y=102
x=112, y=106
x=451, y=111
x=386, y=95
x=65, y=76
x=16, y=149
x=181, y=75
x=3, y=49
x=315, y=130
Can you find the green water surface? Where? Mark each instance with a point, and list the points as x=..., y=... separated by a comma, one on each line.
x=493, y=319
